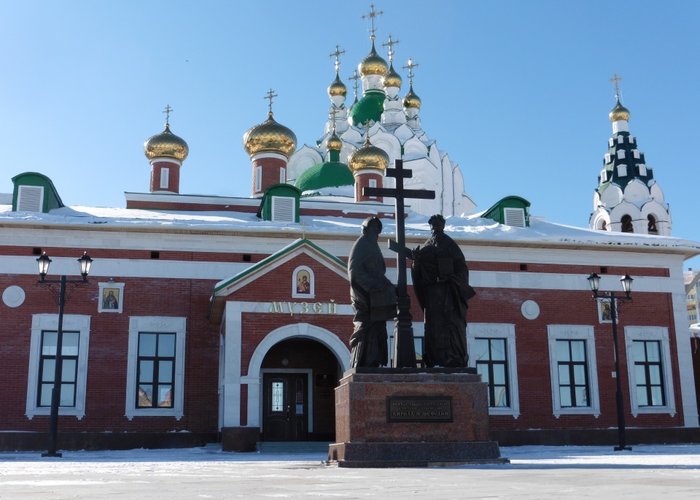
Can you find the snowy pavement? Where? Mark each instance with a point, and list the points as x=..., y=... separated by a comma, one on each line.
x=535, y=472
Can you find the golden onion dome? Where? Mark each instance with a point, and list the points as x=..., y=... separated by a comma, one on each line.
x=334, y=143
x=619, y=112
x=411, y=100
x=373, y=64
x=368, y=156
x=269, y=136
x=167, y=145
x=337, y=88
x=392, y=78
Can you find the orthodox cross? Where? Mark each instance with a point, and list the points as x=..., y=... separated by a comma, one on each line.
x=409, y=66
x=167, y=112
x=337, y=55
x=390, y=43
x=371, y=15
x=355, y=76
x=269, y=96
x=616, y=82
x=404, y=350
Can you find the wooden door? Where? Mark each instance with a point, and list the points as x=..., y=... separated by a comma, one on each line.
x=285, y=406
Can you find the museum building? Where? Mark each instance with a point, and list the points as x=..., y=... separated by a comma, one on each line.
x=225, y=319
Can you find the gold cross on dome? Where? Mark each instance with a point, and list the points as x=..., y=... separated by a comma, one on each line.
x=337, y=55
x=390, y=43
x=355, y=76
x=167, y=112
x=372, y=14
x=409, y=66
x=616, y=79
x=269, y=96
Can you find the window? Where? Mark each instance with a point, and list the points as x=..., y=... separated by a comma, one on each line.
x=491, y=349
x=651, y=224
x=283, y=175
x=258, y=179
x=42, y=364
x=627, y=226
x=573, y=370
x=651, y=387
x=164, y=177
x=155, y=367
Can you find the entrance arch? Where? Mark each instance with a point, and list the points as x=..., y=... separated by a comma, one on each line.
x=267, y=367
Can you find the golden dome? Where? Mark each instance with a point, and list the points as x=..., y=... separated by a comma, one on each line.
x=619, y=112
x=337, y=87
x=166, y=144
x=368, y=156
x=269, y=136
x=411, y=100
x=334, y=143
x=373, y=64
x=392, y=78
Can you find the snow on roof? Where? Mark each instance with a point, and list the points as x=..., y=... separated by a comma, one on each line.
x=466, y=229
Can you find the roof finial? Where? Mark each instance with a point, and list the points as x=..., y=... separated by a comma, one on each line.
x=354, y=77
x=269, y=96
x=409, y=66
x=167, y=112
x=337, y=55
x=371, y=15
x=616, y=82
x=390, y=43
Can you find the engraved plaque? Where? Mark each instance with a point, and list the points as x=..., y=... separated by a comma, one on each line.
x=419, y=409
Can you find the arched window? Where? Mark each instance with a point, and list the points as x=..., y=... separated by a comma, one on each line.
x=651, y=226
x=603, y=226
x=627, y=224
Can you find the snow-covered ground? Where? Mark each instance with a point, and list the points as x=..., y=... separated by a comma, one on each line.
x=534, y=472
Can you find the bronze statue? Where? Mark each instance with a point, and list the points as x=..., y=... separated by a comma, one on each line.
x=373, y=298
x=441, y=284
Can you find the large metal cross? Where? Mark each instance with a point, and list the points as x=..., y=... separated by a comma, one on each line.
x=404, y=349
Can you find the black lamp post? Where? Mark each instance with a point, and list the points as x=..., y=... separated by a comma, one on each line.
x=626, y=280
x=44, y=262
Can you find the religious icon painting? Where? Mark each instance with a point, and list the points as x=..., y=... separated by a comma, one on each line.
x=604, y=311
x=303, y=283
x=111, y=297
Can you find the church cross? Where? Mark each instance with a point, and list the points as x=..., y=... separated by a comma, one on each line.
x=371, y=16
x=355, y=77
x=409, y=66
x=390, y=43
x=616, y=82
x=404, y=349
x=269, y=96
x=337, y=55
x=167, y=112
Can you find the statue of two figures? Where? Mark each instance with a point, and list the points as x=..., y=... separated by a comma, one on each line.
x=441, y=284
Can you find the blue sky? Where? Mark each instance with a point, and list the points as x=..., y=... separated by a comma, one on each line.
x=517, y=92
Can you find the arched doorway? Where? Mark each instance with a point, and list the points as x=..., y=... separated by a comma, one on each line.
x=299, y=376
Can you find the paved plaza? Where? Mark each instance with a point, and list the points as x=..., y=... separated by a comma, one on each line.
x=535, y=472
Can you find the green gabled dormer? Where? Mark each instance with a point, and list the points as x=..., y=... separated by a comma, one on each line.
x=511, y=211
x=34, y=192
x=280, y=203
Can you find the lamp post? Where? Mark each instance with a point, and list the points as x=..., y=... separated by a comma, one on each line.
x=626, y=280
x=44, y=262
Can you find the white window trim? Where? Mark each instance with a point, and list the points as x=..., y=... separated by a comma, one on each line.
x=156, y=324
x=573, y=332
x=71, y=323
x=657, y=333
x=258, y=178
x=164, y=177
x=499, y=330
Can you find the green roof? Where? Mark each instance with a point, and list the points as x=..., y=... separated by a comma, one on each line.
x=369, y=108
x=329, y=174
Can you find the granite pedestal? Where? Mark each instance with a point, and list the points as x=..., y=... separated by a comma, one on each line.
x=405, y=417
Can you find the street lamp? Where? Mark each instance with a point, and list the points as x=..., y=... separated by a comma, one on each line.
x=626, y=280
x=44, y=262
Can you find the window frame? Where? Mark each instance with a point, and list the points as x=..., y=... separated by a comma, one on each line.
x=574, y=332
x=650, y=333
x=49, y=322
x=156, y=324
x=501, y=331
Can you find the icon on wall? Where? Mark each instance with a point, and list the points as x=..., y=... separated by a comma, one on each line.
x=303, y=285
x=111, y=297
